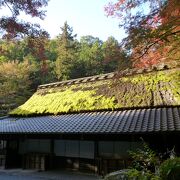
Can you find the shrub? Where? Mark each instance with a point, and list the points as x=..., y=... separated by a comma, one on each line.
x=170, y=169
x=145, y=159
x=134, y=174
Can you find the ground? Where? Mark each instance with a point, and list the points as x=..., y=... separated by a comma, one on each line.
x=18, y=174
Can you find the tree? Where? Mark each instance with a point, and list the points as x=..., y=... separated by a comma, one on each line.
x=66, y=52
x=51, y=49
x=114, y=56
x=14, y=49
x=15, y=83
x=38, y=49
x=11, y=27
x=153, y=28
x=91, y=55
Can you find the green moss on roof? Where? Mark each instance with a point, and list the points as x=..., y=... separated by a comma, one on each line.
x=145, y=90
x=66, y=101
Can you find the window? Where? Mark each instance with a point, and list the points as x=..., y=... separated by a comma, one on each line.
x=72, y=148
x=106, y=148
x=34, y=145
x=87, y=149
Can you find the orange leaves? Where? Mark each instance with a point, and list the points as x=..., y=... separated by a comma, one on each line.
x=161, y=53
x=153, y=28
x=171, y=11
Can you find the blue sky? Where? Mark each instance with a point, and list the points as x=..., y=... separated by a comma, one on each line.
x=87, y=17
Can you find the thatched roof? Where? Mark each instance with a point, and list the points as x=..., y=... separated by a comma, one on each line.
x=126, y=90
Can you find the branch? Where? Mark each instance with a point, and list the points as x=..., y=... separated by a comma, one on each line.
x=9, y=7
x=152, y=44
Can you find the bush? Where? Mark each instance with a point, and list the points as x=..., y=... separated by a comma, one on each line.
x=147, y=165
x=170, y=169
x=145, y=160
x=134, y=174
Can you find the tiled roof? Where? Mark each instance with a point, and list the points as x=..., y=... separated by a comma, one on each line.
x=121, y=122
x=105, y=92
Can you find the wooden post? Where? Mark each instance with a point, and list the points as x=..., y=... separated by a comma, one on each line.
x=96, y=157
x=51, y=158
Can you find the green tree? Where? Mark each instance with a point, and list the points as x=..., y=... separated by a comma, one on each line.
x=91, y=55
x=15, y=83
x=66, y=52
x=37, y=51
x=14, y=49
x=51, y=50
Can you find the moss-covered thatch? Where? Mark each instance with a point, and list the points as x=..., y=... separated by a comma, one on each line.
x=152, y=89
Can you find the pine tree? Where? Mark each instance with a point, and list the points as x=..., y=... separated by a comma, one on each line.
x=66, y=52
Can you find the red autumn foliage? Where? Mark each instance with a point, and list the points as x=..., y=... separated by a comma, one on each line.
x=11, y=27
x=153, y=36
x=37, y=46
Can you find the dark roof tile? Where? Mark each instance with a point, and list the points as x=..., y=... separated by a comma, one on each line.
x=164, y=124
x=106, y=122
x=171, y=123
x=176, y=117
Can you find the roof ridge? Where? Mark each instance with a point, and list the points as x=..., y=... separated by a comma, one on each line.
x=126, y=72
x=79, y=80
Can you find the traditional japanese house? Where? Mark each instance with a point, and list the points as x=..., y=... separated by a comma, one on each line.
x=90, y=124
